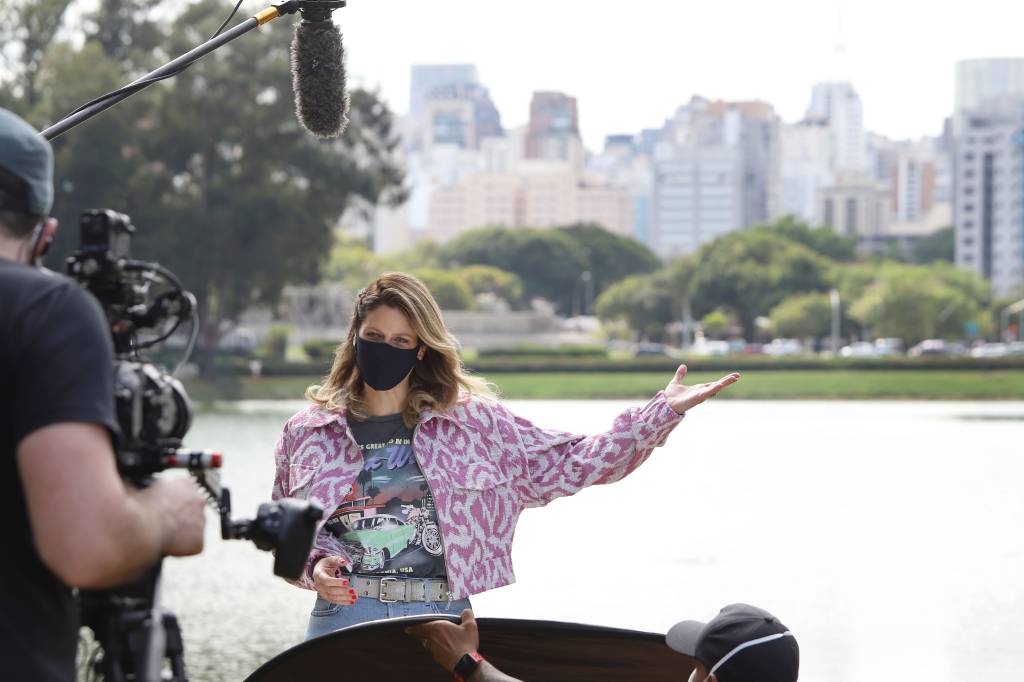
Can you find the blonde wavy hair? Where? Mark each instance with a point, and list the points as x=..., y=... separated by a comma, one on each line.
x=438, y=381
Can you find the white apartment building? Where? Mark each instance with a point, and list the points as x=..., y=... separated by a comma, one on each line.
x=989, y=195
x=913, y=187
x=856, y=205
x=535, y=195
x=806, y=167
x=981, y=80
x=838, y=105
x=716, y=170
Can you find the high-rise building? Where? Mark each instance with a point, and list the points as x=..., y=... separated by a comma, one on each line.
x=448, y=105
x=462, y=114
x=450, y=122
x=536, y=194
x=838, y=106
x=855, y=205
x=426, y=77
x=554, y=129
x=627, y=165
x=981, y=80
x=716, y=170
x=913, y=187
x=806, y=166
x=989, y=196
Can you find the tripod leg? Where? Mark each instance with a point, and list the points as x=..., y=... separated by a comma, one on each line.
x=175, y=647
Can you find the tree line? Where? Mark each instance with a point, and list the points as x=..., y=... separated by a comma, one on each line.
x=223, y=185
x=774, y=280
x=229, y=192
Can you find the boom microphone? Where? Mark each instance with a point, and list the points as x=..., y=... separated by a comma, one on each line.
x=318, y=76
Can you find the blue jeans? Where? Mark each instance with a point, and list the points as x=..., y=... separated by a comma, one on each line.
x=327, y=617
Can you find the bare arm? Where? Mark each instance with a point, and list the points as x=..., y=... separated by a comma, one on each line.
x=89, y=528
x=448, y=643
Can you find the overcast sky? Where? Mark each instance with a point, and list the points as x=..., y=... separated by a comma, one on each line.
x=631, y=63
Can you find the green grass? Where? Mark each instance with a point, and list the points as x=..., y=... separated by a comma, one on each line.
x=856, y=385
x=767, y=384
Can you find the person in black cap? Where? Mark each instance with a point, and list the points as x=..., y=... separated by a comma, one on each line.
x=741, y=644
x=69, y=521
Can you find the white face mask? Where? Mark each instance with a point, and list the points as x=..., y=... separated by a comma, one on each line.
x=745, y=645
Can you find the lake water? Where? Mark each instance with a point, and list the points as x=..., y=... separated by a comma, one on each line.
x=887, y=536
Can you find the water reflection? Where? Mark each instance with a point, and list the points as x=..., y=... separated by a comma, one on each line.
x=886, y=535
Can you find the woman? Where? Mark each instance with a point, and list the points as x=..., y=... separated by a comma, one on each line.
x=423, y=473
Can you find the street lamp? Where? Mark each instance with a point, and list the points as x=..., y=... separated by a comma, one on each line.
x=833, y=297
x=588, y=290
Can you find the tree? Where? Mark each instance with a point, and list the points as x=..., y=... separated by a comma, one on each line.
x=921, y=302
x=364, y=477
x=224, y=186
x=352, y=263
x=644, y=302
x=717, y=323
x=939, y=246
x=489, y=279
x=820, y=240
x=449, y=289
x=27, y=29
x=752, y=271
x=548, y=262
x=803, y=316
x=610, y=257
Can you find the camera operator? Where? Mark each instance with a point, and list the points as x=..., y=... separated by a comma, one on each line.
x=70, y=520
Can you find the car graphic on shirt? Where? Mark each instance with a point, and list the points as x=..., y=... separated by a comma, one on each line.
x=382, y=537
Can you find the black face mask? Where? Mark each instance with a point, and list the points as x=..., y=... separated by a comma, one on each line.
x=383, y=366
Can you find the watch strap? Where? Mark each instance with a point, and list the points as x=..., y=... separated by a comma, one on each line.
x=467, y=665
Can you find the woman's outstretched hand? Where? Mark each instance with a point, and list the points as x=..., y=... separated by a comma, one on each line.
x=681, y=398
x=329, y=583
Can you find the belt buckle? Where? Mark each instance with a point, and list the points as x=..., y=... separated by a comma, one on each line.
x=383, y=581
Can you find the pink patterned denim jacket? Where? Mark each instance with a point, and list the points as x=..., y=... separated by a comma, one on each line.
x=484, y=465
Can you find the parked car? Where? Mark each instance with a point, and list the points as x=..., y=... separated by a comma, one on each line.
x=860, y=349
x=711, y=347
x=645, y=349
x=990, y=350
x=780, y=347
x=737, y=345
x=932, y=347
x=889, y=346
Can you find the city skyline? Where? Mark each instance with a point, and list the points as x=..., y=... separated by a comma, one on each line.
x=899, y=56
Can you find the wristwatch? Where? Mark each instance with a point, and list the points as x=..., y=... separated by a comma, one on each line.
x=467, y=665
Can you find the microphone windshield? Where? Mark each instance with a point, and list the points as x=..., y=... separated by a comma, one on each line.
x=318, y=78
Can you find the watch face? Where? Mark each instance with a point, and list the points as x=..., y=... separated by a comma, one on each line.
x=467, y=665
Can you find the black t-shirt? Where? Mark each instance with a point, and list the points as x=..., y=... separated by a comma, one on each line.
x=55, y=366
x=387, y=521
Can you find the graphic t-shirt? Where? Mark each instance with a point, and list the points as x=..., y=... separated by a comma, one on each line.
x=387, y=521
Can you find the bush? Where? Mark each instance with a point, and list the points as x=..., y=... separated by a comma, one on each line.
x=449, y=289
x=489, y=279
x=275, y=345
x=537, y=351
x=295, y=369
x=320, y=349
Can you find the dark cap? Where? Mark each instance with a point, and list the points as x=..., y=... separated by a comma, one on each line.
x=26, y=167
x=741, y=644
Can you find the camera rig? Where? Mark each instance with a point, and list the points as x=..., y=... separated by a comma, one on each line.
x=137, y=637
